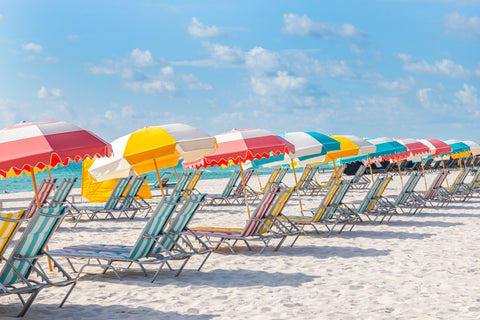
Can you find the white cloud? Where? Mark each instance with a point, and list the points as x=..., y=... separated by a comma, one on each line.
x=443, y=67
x=45, y=93
x=468, y=27
x=399, y=84
x=260, y=60
x=51, y=60
x=199, y=30
x=423, y=96
x=468, y=96
x=295, y=24
x=153, y=87
x=125, y=112
x=32, y=47
x=73, y=37
x=141, y=58
x=275, y=85
x=225, y=53
x=305, y=65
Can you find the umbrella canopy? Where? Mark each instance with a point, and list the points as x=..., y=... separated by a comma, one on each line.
x=153, y=148
x=459, y=149
x=26, y=146
x=310, y=147
x=239, y=146
x=474, y=147
x=436, y=146
x=416, y=149
x=365, y=147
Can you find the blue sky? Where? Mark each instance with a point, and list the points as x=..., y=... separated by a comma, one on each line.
x=367, y=68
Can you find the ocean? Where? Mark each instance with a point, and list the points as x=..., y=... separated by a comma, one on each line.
x=24, y=183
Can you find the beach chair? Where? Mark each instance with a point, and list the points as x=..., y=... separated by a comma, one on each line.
x=365, y=206
x=43, y=193
x=9, y=223
x=219, y=199
x=179, y=187
x=93, y=211
x=431, y=195
x=316, y=187
x=467, y=190
x=326, y=213
x=405, y=201
x=238, y=195
x=128, y=204
x=190, y=188
x=16, y=276
x=254, y=194
x=359, y=181
x=141, y=253
x=59, y=198
x=223, y=236
x=447, y=195
x=165, y=177
x=305, y=185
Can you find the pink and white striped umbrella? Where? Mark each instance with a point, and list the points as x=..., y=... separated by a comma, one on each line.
x=238, y=146
x=436, y=146
x=415, y=148
x=37, y=145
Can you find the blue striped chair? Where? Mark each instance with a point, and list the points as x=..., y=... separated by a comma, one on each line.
x=139, y=253
x=15, y=277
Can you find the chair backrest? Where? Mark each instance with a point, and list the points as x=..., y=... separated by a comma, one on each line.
x=192, y=184
x=154, y=227
x=246, y=176
x=326, y=201
x=359, y=173
x=165, y=177
x=231, y=183
x=31, y=244
x=475, y=180
x=271, y=179
x=436, y=185
x=180, y=222
x=280, y=176
x=182, y=182
x=427, y=164
x=337, y=199
x=380, y=191
x=408, y=188
x=260, y=212
x=370, y=195
x=310, y=178
x=62, y=192
x=276, y=209
x=132, y=192
x=336, y=175
x=303, y=178
x=43, y=193
x=459, y=181
x=9, y=223
x=117, y=193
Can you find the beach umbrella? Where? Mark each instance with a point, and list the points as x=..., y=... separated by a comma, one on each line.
x=436, y=146
x=417, y=150
x=153, y=148
x=459, y=149
x=238, y=146
x=474, y=147
x=27, y=146
x=310, y=147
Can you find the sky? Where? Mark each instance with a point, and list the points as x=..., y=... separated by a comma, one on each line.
x=367, y=68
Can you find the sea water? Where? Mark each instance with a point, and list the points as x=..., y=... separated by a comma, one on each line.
x=24, y=183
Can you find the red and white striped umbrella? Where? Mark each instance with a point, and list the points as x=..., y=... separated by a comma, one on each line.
x=415, y=148
x=437, y=147
x=238, y=146
x=26, y=146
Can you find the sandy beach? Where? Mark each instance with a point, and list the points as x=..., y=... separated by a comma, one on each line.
x=414, y=267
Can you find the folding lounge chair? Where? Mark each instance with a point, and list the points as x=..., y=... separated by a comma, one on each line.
x=447, y=195
x=468, y=189
x=179, y=187
x=9, y=223
x=431, y=195
x=305, y=185
x=365, y=206
x=43, y=193
x=238, y=195
x=157, y=244
x=270, y=183
x=128, y=203
x=16, y=275
x=92, y=211
x=405, y=201
x=62, y=192
x=163, y=180
x=326, y=213
x=359, y=181
x=218, y=199
x=322, y=186
x=190, y=188
x=248, y=233
x=380, y=206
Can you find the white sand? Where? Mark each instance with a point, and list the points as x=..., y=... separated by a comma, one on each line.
x=425, y=266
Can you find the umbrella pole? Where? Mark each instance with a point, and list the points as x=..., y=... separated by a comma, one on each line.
x=175, y=172
x=37, y=200
x=158, y=177
x=370, y=165
x=446, y=179
x=400, y=172
x=258, y=178
x=296, y=183
x=424, y=177
x=244, y=189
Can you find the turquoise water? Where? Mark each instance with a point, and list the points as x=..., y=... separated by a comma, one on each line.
x=24, y=183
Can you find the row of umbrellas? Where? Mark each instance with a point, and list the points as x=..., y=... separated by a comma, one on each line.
x=30, y=146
